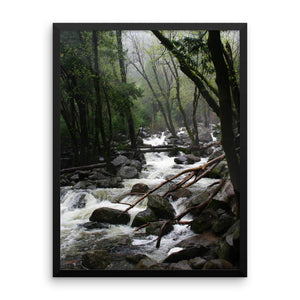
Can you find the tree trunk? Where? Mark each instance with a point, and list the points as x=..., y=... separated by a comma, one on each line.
x=124, y=80
x=222, y=80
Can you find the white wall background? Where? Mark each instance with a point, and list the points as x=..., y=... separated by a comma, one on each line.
x=26, y=149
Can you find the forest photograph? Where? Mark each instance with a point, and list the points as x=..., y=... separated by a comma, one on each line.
x=150, y=150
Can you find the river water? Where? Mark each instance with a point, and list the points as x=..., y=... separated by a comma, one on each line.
x=76, y=239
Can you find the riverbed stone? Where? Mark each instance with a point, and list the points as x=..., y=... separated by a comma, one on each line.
x=188, y=253
x=181, y=265
x=136, y=164
x=94, y=225
x=181, y=193
x=135, y=258
x=128, y=172
x=120, y=161
x=109, y=215
x=191, y=158
x=96, y=259
x=139, y=188
x=181, y=160
x=155, y=227
x=144, y=217
x=197, y=262
x=223, y=223
x=217, y=264
x=80, y=185
x=205, y=221
x=145, y=263
x=161, y=207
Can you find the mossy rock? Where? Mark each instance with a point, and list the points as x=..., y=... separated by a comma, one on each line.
x=155, y=227
x=205, y=221
x=144, y=217
x=161, y=207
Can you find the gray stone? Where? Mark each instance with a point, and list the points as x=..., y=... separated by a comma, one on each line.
x=120, y=161
x=96, y=259
x=109, y=215
x=128, y=172
x=186, y=254
x=217, y=264
x=139, y=188
x=197, y=262
x=161, y=207
x=80, y=185
x=155, y=227
x=143, y=217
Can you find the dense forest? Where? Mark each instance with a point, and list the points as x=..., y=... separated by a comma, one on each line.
x=121, y=90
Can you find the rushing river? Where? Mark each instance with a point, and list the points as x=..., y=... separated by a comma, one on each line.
x=76, y=239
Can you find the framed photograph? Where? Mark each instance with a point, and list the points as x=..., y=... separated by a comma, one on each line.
x=150, y=149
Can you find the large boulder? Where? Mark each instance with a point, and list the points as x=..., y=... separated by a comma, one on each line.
x=205, y=221
x=229, y=246
x=109, y=215
x=120, y=161
x=191, y=158
x=128, y=172
x=181, y=193
x=181, y=160
x=204, y=135
x=223, y=223
x=139, y=188
x=144, y=217
x=161, y=207
x=155, y=227
x=136, y=164
x=96, y=259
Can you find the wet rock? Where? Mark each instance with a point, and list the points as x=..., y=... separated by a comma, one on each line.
x=181, y=265
x=217, y=264
x=143, y=217
x=191, y=158
x=120, y=161
x=74, y=177
x=109, y=215
x=80, y=185
x=197, y=262
x=181, y=160
x=145, y=263
x=94, y=225
x=79, y=201
x=155, y=227
x=223, y=223
x=161, y=207
x=96, y=259
x=128, y=172
x=136, y=164
x=206, y=239
x=186, y=254
x=135, y=259
x=220, y=171
x=181, y=193
x=204, y=221
x=229, y=246
x=139, y=188
x=198, y=198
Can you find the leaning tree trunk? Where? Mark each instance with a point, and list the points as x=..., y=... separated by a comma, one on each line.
x=222, y=80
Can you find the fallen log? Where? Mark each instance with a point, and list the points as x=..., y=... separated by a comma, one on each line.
x=88, y=167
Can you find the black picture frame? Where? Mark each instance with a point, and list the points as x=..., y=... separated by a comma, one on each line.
x=57, y=27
